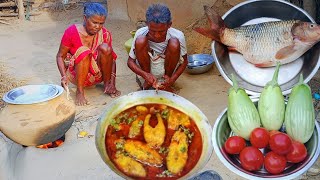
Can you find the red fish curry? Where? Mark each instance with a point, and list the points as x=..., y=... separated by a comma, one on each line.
x=153, y=141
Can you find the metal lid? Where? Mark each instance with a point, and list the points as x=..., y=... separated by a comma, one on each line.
x=249, y=77
x=31, y=94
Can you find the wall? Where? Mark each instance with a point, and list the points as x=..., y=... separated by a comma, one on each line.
x=184, y=12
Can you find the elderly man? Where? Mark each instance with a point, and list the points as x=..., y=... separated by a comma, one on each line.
x=158, y=54
x=92, y=57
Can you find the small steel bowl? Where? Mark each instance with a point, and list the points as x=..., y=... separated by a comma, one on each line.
x=199, y=63
x=251, y=78
x=222, y=131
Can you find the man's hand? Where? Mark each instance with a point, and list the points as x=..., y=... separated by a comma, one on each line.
x=167, y=82
x=150, y=79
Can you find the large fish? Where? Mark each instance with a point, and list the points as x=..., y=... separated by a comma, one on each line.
x=263, y=44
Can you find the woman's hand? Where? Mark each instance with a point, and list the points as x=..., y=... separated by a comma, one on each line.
x=64, y=82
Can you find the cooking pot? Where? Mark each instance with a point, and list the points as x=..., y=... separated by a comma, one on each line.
x=39, y=123
x=154, y=97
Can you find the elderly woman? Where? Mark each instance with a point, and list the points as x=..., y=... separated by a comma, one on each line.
x=158, y=54
x=89, y=48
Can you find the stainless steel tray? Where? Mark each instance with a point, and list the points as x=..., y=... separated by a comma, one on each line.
x=31, y=94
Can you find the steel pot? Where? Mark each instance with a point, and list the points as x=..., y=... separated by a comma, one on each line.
x=160, y=97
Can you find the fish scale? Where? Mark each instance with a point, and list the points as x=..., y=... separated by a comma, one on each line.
x=260, y=41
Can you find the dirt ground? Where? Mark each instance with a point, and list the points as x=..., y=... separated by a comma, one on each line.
x=27, y=56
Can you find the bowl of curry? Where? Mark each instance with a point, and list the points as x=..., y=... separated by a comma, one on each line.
x=154, y=135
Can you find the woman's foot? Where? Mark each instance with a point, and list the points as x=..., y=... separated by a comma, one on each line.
x=111, y=90
x=80, y=99
x=116, y=94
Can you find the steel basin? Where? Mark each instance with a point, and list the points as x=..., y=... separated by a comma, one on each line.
x=222, y=131
x=199, y=63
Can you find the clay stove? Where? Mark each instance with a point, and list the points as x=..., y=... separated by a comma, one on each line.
x=54, y=144
x=76, y=159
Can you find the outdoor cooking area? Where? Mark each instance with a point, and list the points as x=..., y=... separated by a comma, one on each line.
x=238, y=110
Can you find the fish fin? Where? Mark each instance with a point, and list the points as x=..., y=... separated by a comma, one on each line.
x=232, y=49
x=216, y=25
x=208, y=33
x=266, y=64
x=285, y=52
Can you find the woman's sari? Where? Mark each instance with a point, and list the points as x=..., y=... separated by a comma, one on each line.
x=78, y=52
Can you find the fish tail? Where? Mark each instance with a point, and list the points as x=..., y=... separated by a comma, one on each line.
x=216, y=25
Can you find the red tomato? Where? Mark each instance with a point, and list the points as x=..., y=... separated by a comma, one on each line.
x=259, y=138
x=280, y=143
x=297, y=153
x=274, y=163
x=273, y=132
x=234, y=144
x=251, y=158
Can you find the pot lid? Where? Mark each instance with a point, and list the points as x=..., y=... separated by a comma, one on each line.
x=252, y=78
x=31, y=94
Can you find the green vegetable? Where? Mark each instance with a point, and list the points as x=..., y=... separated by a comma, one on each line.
x=271, y=105
x=300, y=116
x=243, y=115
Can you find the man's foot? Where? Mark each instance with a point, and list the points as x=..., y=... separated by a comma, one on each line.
x=80, y=99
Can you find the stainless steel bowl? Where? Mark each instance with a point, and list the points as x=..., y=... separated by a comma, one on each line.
x=199, y=63
x=251, y=78
x=153, y=97
x=222, y=131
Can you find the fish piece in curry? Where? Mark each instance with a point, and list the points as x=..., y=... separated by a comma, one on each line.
x=142, y=152
x=154, y=136
x=130, y=166
x=176, y=119
x=178, y=152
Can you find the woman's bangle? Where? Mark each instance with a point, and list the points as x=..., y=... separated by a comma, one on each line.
x=113, y=74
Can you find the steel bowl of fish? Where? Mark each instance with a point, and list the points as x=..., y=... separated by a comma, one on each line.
x=222, y=132
x=253, y=36
x=153, y=135
x=199, y=63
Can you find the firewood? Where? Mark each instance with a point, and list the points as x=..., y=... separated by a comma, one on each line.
x=16, y=14
x=4, y=22
x=20, y=9
x=7, y=4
